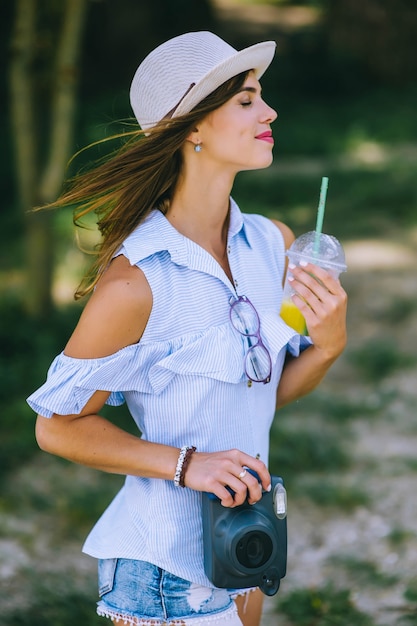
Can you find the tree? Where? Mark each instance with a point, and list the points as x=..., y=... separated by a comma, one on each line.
x=379, y=34
x=46, y=48
x=41, y=156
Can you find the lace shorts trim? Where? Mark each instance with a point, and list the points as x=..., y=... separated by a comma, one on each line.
x=228, y=617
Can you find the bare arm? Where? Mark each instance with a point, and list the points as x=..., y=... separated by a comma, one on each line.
x=115, y=317
x=324, y=309
x=323, y=305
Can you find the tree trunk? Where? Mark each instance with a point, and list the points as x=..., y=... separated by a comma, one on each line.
x=37, y=184
x=64, y=100
x=21, y=106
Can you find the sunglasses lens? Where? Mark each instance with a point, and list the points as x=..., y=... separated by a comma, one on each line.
x=244, y=318
x=258, y=363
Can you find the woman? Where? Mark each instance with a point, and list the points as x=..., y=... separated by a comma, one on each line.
x=179, y=267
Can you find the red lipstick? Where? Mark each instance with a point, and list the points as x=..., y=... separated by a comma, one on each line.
x=266, y=136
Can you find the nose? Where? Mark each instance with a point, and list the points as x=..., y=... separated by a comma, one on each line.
x=269, y=115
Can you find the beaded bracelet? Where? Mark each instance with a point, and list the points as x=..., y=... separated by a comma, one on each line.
x=182, y=464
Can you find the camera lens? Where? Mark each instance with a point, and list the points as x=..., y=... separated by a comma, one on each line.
x=254, y=549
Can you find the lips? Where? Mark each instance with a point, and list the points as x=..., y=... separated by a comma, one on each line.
x=266, y=136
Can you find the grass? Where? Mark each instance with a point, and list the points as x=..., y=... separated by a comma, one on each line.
x=363, y=573
x=306, y=448
x=398, y=311
x=379, y=357
x=410, y=593
x=325, y=606
x=410, y=611
x=69, y=608
x=76, y=496
x=332, y=406
x=327, y=492
x=398, y=537
x=27, y=348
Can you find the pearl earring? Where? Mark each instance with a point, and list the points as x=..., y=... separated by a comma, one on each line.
x=197, y=147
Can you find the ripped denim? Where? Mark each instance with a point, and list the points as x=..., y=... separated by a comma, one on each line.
x=141, y=594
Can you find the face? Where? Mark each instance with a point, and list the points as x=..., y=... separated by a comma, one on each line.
x=238, y=135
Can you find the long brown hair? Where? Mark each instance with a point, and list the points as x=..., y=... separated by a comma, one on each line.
x=137, y=177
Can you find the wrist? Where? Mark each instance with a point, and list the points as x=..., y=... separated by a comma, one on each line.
x=328, y=355
x=182, y=464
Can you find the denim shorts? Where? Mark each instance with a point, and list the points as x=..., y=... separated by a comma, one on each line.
x=139, y=593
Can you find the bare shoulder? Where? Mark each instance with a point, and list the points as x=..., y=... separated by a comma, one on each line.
x=115, y=315
x=286, y=232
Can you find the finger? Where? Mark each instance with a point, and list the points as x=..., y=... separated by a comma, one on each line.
x=245, y=487
x=305, y=280
x=316, y=311
x=226, y=498
x=315, y=294
x=311, y=274
x=261, y=470
x=233, y=494
x=254, y=490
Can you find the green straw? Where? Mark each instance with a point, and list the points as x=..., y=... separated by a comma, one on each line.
x=320, y=214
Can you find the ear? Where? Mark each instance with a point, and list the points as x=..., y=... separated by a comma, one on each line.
x=193, y=136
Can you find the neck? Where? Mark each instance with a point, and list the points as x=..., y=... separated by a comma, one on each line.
x=201, y=213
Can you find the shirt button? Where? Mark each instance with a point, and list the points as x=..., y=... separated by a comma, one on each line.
x=236, y=284
x=249, y=383
x=228, y=249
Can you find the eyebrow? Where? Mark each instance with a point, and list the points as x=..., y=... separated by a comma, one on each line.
x=250, y=89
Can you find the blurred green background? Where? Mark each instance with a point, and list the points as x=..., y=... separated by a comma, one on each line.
x=344, y=82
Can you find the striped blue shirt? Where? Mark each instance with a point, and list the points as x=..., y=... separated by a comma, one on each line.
x=184, y=382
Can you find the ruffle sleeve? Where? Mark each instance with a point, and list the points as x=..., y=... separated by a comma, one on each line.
x=71, y=382
x=277, y=335
x=217, y=353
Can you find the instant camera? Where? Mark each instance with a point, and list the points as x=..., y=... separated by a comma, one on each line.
x=247, y=546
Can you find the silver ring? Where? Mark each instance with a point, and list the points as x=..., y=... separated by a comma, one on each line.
x=242, y=474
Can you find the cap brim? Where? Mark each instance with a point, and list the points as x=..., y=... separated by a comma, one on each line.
x=257, y=58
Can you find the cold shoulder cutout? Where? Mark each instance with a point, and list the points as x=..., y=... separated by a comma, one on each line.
x=148, y=367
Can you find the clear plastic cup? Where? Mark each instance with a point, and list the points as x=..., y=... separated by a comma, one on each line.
x=322, y=250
